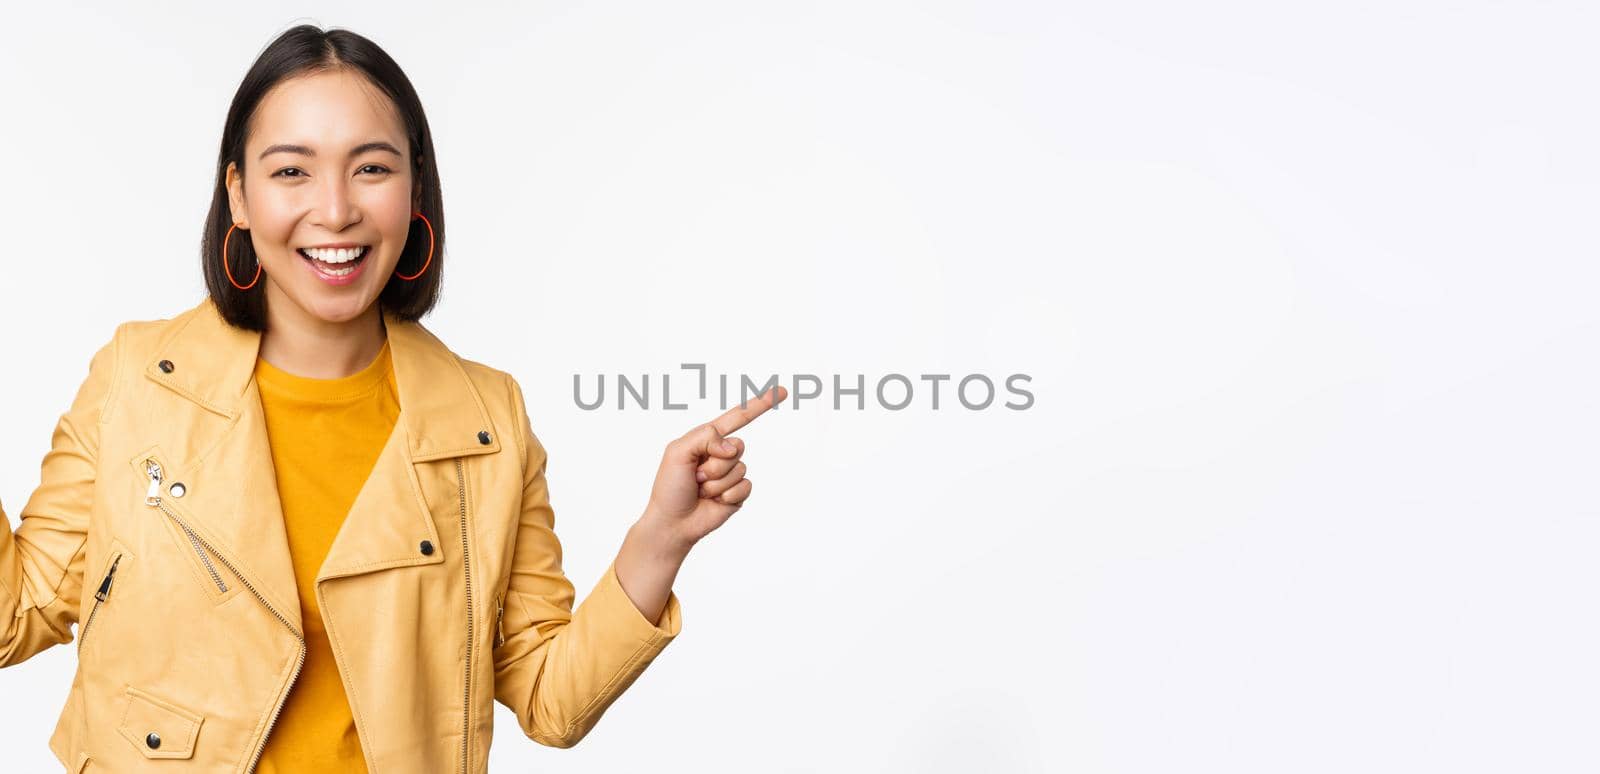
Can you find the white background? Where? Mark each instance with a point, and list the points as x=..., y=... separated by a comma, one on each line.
x=1307, y=294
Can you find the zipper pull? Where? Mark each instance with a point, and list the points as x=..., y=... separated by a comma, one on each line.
x=105, y=585
x=153, y=469
x=500, y=620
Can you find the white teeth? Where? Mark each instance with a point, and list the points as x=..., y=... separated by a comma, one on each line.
x=340, y=255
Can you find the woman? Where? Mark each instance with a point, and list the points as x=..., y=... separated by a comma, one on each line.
x=296, y=531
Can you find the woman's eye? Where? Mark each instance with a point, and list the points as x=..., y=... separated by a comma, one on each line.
x=287, y=169
x=379, y=167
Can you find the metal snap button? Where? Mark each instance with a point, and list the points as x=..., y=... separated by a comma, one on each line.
x=483, y=437
x=427, y=548
x=153, y=740
x=166, y=366
x=178, y=489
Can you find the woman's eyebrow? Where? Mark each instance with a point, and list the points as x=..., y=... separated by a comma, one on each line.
x=356, y=151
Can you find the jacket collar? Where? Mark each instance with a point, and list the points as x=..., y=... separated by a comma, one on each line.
x=213, y=363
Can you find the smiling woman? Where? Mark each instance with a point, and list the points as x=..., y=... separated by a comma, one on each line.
x=310, y=536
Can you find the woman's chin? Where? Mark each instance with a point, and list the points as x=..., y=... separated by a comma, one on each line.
x=334, y=307
x=340, y=310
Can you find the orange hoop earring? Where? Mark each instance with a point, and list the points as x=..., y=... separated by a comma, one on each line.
x=430, y=250
x=228, y=271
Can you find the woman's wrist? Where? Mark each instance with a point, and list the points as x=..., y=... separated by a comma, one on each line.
x=648, y=564
x=657, y=539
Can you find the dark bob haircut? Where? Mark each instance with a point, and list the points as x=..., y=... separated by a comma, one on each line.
x=305, y=50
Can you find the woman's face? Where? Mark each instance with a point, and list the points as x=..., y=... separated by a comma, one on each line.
x=327, y=195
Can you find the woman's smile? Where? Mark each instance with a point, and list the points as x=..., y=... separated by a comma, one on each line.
x=336, y=265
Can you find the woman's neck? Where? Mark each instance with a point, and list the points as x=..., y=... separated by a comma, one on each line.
x=305, y=345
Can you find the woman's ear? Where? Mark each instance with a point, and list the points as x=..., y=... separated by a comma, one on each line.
x=235, y=183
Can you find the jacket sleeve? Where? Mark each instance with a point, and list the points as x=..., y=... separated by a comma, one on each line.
x=41, y=565
x=558, y=670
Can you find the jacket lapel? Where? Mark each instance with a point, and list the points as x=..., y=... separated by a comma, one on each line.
x=226, y=460
x=441, y=416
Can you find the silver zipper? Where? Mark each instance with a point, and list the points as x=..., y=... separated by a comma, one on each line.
x=466, y=569
x=153, y=498
x=100, y=595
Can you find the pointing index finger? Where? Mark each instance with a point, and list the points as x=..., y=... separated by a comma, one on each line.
x=738, y=417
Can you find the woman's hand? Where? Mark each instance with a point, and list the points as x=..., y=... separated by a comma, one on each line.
x=701, y=482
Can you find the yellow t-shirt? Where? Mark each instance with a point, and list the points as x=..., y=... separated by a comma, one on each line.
x=326, y=435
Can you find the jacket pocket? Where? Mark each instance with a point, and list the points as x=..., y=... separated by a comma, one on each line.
x=115, y=558
x=158, y=728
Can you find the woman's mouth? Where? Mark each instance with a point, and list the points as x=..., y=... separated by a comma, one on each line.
x=336, y=266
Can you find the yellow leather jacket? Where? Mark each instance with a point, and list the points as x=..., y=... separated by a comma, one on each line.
x=157, y=528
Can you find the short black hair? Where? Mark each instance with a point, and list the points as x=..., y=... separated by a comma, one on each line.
x=303, y=50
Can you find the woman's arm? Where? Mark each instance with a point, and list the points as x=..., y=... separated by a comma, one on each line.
x=41, y=565
x=560, y=670
x=557, y=669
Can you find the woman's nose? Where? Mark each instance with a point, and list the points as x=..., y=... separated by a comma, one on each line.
x=336, y=208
